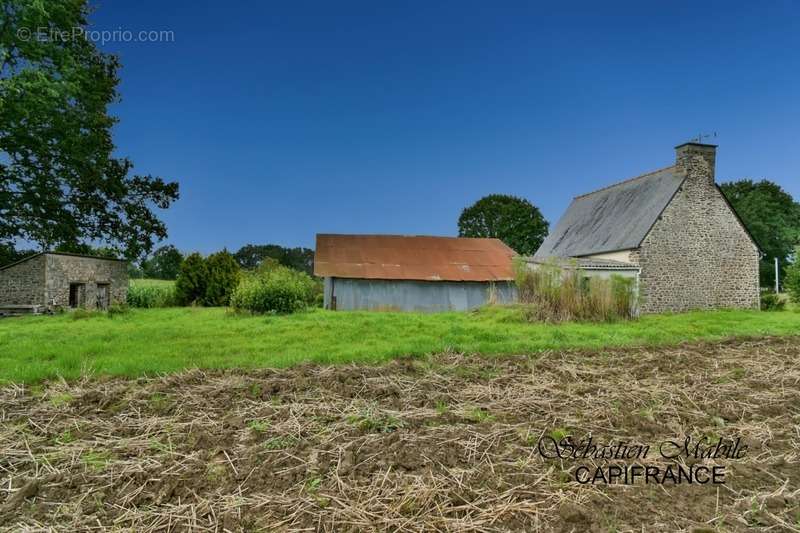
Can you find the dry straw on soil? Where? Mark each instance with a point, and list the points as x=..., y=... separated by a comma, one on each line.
x=445, y=443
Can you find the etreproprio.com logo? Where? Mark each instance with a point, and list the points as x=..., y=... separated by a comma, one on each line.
x=119, y=35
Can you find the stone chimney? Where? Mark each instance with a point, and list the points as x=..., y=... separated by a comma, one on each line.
x=688, y=156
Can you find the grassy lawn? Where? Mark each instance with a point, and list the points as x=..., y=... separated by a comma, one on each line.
x=147, y=341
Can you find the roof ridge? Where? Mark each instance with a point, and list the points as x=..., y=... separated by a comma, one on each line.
x=406, y=236
x=646, y=174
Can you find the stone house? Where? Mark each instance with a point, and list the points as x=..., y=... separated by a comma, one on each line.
x=674, y=226
x=58, y=280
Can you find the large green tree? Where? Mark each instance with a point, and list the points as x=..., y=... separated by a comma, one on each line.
x=251, y=256
x=163, y=263
x=60, y=183
x=513, y=220
x=773, y=218
x=9, y=254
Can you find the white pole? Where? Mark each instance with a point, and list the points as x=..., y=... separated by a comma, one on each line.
x=777, y=273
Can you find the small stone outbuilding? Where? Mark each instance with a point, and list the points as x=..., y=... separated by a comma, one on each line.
x=49, y=281
x=675, y=226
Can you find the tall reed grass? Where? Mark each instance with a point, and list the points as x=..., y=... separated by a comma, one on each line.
x=149, y=293
x=551, y=292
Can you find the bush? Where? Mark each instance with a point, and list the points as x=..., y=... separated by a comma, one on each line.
x=555, y=294
x=149, y=293
x=772, y=302
x=190, y=287
x=274, y=290
x=223, y=277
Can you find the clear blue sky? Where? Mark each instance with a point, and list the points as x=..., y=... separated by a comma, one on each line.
x=281, y=120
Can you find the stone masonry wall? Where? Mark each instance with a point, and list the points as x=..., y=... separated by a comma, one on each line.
x=23, y=284
x=64, y=269
x=698, y=255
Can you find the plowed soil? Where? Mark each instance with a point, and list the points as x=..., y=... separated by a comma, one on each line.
x=444, y=443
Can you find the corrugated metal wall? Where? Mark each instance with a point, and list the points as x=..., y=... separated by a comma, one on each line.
x=404, y=295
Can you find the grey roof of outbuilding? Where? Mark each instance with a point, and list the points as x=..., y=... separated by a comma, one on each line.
x=70, y=254
x=617, y=217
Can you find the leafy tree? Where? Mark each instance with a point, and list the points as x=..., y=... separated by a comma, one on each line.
x=223, y=276
x=190, y=287
x=164, y=263
x=60, y=183
x=515, y=221
x=301, y=259
x=9, y=254
x=251, y=256
x=87, y=249
x=135, y=271
x=773, y=218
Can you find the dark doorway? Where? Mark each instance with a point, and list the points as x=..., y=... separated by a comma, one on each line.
x=77, y=295
x=103, y=295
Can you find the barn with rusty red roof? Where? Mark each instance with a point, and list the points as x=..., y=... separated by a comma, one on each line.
x=413, y=273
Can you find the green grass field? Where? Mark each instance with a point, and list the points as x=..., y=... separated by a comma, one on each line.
x=148, y=282
x=149, y=341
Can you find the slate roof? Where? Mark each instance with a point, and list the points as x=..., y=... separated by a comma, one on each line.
x=421, y=258
x=617, y=217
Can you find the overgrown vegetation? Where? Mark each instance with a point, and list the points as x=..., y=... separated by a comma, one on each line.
x=214, y=281
x=274, y=289
x=552, y=293
x=158, y=341
x=772, y=302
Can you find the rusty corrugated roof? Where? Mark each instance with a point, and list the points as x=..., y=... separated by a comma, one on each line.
x=413, y=258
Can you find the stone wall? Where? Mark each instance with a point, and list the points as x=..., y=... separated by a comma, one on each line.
x=697, y=255
x=62, y=270
x=23, y=283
